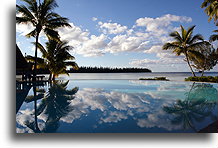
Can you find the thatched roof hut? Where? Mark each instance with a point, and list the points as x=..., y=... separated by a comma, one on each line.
x=22, y=65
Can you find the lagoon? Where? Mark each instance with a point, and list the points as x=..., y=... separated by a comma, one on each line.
x=118, y=106
x=174, y=76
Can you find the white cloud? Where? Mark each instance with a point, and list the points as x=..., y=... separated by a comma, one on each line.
x=123, y=43
x=112, y=28
x=146, y=36
x=94, y=19
x=24, y=29
x=74, y=34
x=113, y=117
x=92, y=47
x=161, y=25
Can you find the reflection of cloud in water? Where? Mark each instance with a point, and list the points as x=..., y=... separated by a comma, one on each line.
x=113, y=117
x=156, y=119
x=114, y=107
x=144, y=109
x=27, y=115
x=165, y=89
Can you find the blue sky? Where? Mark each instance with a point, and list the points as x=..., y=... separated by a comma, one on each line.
x=125, y=33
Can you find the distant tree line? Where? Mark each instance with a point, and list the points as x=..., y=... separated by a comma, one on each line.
x=84, y=69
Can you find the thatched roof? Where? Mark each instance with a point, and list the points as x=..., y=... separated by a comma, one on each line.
x=21, y=63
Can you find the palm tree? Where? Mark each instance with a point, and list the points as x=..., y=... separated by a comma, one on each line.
x=186, y=44
x=196, y=107
x=57, y=57
x=42, y=17
x=37, y=95
x=208, y=60
x=55, y=104
x=211, y=9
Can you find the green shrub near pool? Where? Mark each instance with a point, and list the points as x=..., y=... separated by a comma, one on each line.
x=203, y=79
x=155, y=78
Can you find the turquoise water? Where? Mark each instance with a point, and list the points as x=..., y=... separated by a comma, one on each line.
x=116, y=106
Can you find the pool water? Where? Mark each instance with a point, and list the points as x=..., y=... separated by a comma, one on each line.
x=116, y=106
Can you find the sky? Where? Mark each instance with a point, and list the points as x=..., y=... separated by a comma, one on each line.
x=124, y=33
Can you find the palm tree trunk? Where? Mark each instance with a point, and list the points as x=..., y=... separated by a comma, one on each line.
x=35, y=63
x=53, y=78
x=35, y=108
x=50, y=76
x=202, y=73
x=193, y=73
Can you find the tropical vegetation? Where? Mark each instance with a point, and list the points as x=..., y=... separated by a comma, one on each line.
x=42, y=17
x=211, y=9
x=197, y=106
x=207, y=61
x=155, y=78
x=86, y=69
x=203, y=79
x=56, y=58
x=187, y=44
x=55, y=104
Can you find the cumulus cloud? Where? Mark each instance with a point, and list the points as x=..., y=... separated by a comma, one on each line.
x=124, y=43
x=24, y=29
x=94, y=18
x=161, y=25
x=112, y=28
x=113, y=117
x=93, y=47
x=84, y=43
x=146, y=36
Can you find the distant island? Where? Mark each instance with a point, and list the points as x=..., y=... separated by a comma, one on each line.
x=84, y=69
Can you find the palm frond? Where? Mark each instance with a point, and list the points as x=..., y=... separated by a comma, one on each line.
x=72, y=64
x=25, y=12
x=31, y=34
x=52, y=34
x=41, y=48
x=198, y=45
x=197, y=37
x=184, y=32
x=189, y=33
x=176, y=36
x=213, y=38
x=170, y=46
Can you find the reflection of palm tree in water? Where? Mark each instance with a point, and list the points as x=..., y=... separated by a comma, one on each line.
x=196, y=107
x=55, y=104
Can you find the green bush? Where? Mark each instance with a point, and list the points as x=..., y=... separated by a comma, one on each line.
x=155, y=78
x=203, y=79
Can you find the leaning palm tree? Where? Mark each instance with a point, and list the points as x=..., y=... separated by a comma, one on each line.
x=57, y=57
x=186, y=44
x=41, y=16
x=211, y=9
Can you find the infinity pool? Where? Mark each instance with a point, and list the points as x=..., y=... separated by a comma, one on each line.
x=116, y=106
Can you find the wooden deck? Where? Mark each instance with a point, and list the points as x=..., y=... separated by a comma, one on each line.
x=19, y=83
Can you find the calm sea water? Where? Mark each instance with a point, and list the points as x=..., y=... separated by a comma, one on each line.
x=175, y=76
x=116, y=106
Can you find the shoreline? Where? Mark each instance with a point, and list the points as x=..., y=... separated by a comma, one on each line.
x=176, y=77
